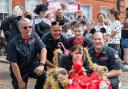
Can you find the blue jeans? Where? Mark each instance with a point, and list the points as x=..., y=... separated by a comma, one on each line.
x=125, y=43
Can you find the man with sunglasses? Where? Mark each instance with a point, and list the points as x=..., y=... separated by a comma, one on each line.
x=23, y=53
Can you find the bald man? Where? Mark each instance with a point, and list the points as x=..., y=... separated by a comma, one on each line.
x=106, y=56
x=22, y=53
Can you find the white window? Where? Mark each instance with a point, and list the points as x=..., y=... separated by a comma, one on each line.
x=4, y=8
x=104, y=9
x=87, y=11
x=31, y=4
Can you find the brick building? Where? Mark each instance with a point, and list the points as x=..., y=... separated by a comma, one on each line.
x=96, y=6
x=91, y=7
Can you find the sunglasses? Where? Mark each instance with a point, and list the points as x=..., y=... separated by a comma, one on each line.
x=26, y=27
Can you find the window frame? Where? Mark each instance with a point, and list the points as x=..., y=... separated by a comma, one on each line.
x=104, y=12
x=4, y=13
x=90, y=11
x=28, y=4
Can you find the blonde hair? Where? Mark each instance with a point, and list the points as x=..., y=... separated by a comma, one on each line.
x=24, y=20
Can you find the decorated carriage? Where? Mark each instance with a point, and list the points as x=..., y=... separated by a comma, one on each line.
x=76, y=78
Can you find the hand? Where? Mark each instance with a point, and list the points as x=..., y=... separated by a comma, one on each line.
x=38, y=70
x=22, y=85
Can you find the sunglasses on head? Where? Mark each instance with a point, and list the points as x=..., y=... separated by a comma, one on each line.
x=26, y=27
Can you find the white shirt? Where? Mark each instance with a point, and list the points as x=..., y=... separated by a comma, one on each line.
x=115, y=26
x=98, y=27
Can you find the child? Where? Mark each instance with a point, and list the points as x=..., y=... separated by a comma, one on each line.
x=80, y=76
x=79, y=38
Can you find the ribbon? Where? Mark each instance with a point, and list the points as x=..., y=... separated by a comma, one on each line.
x=66, y=51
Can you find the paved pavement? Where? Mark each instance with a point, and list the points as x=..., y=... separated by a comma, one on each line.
x=5, y=80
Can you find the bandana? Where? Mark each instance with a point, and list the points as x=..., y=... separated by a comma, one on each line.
x=26, y=40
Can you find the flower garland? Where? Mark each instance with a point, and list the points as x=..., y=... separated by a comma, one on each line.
x=56, y=77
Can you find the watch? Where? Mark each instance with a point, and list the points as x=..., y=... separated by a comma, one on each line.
x=42, y=64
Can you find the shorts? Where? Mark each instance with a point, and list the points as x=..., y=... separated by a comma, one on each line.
x=125, y=43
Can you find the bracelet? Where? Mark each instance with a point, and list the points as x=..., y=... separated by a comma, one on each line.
x=42, y=64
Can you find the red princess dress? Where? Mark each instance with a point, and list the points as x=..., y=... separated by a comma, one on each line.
x=79, y=80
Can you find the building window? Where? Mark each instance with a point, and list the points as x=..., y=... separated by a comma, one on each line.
x=4, y=9
x=31, y=4
x=104, y=10
x=87, y=11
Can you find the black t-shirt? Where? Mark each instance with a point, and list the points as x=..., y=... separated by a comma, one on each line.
x=51, y=45
x=24, y=54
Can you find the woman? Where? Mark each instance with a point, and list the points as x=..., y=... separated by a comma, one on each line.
x=115, y=26
x=101, y=26
x=41, y=23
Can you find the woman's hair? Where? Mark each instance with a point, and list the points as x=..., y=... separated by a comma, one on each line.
x=76, y=46
x=115, y=13
x=47, y=14
x=101, y=14
x=40, y=8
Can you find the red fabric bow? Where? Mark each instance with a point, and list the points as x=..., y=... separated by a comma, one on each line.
x=83, y=81
x=78, y=41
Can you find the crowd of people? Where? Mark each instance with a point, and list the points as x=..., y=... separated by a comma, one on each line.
x=31, y=42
